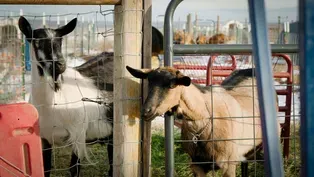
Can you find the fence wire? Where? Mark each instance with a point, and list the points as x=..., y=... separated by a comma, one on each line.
x=286, y=84
x=89, y=49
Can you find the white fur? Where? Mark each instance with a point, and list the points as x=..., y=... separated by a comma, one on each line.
x=64, y=119
x=41, y=54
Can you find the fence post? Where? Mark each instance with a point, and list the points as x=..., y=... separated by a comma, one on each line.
x=74, y=45
x=23, y=58
x=147, y=55
x=82, y=36
x=88, y=36
x=66, y=39
x=58, y=20
x=306, y=40
x=265, y=89
x=93, y=32
x=44, y=19
x=127, y=89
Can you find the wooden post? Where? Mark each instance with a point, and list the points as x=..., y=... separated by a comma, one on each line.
x=147, y=63
x=217, y=30
x=44, y=20
x=66, y=39
x=127, y=89
x=93, y=32
x=82, y=37
x=74, y=45
x=88, y=37
x=189, y=26
x=58, y=20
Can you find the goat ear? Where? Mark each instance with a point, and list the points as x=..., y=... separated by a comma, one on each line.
x=184, y=80
x=25, y=28
x=138, y=73
x=66, y=29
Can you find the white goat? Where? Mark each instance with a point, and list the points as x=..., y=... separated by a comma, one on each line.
x=57, y=92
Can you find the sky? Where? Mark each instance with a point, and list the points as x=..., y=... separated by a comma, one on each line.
x=205, y=9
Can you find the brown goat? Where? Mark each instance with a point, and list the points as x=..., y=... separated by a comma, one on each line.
x=201, y=39
x=225, y=118
x=218, y=39
x=180, y=37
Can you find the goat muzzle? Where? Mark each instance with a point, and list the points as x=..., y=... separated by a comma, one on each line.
x=57, y=68
x=148, y=114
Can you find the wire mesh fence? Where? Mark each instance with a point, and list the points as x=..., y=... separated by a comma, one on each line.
x=84, y=49
x=11, y=63
x=213, y=69
x=63, y=114
x=286, y=82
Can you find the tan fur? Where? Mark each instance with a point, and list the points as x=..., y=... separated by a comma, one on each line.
x=228, y=104
x=228, y=119
x=218, y=39
x=155, y=62
x=229, y=113
x=201, y=39
x=183, y=38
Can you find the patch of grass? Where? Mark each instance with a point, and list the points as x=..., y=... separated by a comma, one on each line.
x=62, y=158
x=292, y=165
x=158, y=156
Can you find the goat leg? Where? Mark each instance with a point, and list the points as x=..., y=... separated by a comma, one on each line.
x=110, y=155
x=229, y=170
x=244, y=169
x=47, y=151
x=75, y=165
x=197, y=171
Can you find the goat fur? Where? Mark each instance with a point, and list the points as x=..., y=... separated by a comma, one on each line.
x=234, y=111
x=64, y=118
x=226, y=119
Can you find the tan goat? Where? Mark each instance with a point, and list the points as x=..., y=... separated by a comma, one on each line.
x=222, y=117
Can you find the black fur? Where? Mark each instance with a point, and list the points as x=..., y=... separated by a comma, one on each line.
x=232, y=80
x=157, y=41
x=47, y=152
x=237, y=77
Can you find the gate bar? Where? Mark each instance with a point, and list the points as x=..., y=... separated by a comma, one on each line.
x=265, y=88
x=306, y=40
x=230, y=48
x=169, y=118
x=62, y=2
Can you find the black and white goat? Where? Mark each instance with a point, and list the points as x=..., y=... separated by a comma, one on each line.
x=58, y=92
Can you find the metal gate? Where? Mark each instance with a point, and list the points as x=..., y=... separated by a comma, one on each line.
x=262, y=55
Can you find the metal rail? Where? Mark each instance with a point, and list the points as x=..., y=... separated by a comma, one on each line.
x=266, y=91
x=306, y=26
x=169, y=118
x=230, y=49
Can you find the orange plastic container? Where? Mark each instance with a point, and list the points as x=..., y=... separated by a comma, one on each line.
x=20, y=143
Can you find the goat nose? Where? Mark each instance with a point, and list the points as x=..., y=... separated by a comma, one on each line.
x=146, y=111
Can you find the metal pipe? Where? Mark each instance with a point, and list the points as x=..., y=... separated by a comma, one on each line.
x=168, y=32
x=306, y=34
x=168, y=53
x=230, y=48
x=266, y=90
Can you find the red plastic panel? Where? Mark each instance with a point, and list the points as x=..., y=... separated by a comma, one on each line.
x=20, y=143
